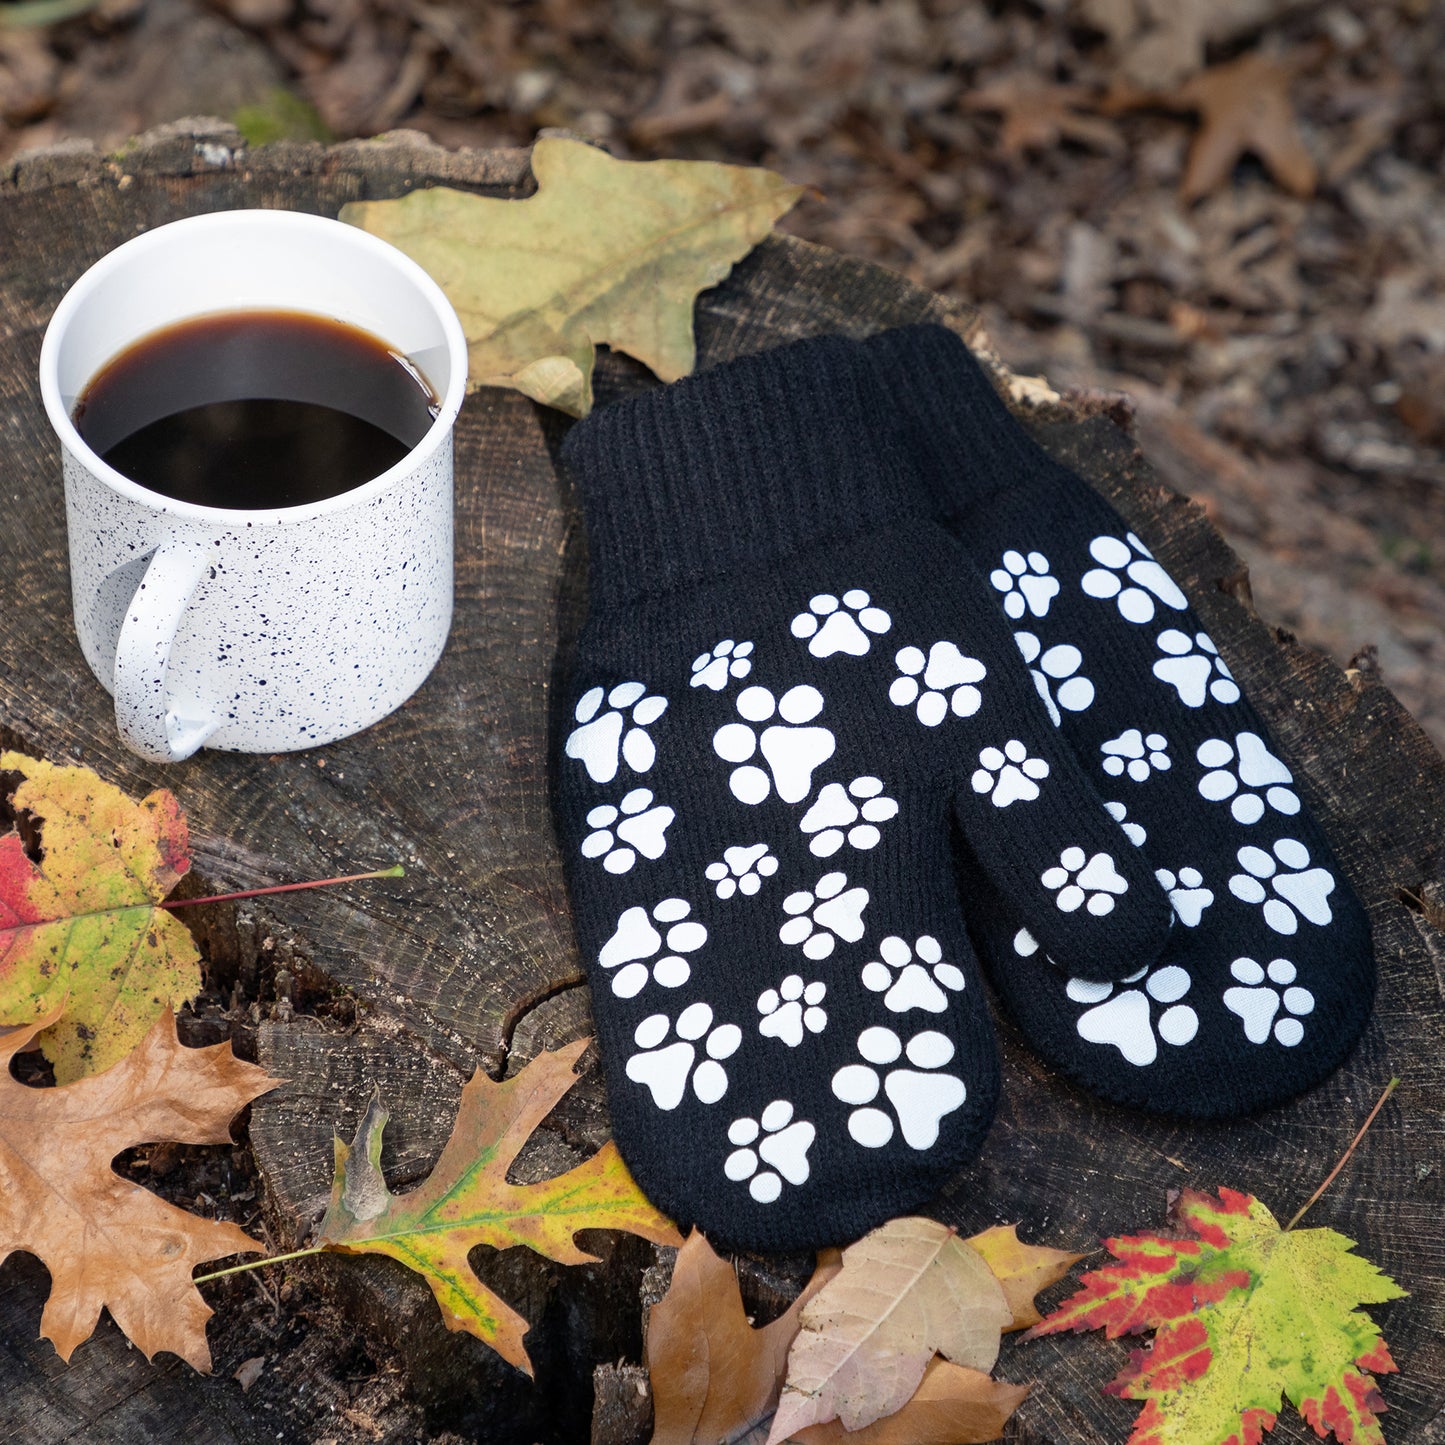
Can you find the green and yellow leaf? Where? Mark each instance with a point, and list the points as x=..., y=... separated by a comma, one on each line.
x=1245, y=1313
x=467, y=1200
x=606, y=252
x=83, y=926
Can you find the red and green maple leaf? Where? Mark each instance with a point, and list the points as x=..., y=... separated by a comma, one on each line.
x=1245, y=1313
x=83, y=926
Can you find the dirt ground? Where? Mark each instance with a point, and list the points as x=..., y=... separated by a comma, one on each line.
x=1231, y=210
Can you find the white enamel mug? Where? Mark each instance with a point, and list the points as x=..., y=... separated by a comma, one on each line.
x=256, y=631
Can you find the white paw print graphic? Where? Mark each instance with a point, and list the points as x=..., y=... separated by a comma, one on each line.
x=793, y=1009
x=1135, y=754
x=634, y=946
x=1025, y=583
x=638, y=828
x=1133, y=831
x=1125, y=1019
x=1257, y=1003
x=776, y=1139
x=1194, y=668
x=742, y=870
x=921, y=1096
x=664, y=1069
x=619, y=729
x=830, y=912
x=790, y=749
x=1304, y=892
x=1136, y=562
x=1083, y=882
x=715, y=669
x=1054, y=672
x=948, y=679
x=850, y=814
x=1009, y=775
x=829, y=627
x=910, y=978
x=1187, y=893
x=1241, y=772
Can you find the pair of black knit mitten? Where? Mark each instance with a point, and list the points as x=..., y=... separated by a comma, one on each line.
x=871, y=688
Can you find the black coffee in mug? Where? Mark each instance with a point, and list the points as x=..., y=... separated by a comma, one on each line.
x=255, y=409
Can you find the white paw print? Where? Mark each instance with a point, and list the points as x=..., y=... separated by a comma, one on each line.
x=831, y=628
x=792, y=1009
x=1009, y=775
x=1187, y=894
x=1241, y=771
x=665, y=1070
x=1054, y=675
x=830, y=912
x=1135, y=754
x=910, y=978
x=1257, y=1003
x=602, y=735
x=1304, y=891
x=1025, y=583
x=1133, y=831
x=742, y=870
x=858, y=809
x=921, y=1096
x=1193, y=673
x=1137, y=564
x=636, y=941
x=638, y=826
x=1083, y=882
x=791, y=750
x=727, y=660
x=784, y=1145
x=1125, y=1019
x=948, y=683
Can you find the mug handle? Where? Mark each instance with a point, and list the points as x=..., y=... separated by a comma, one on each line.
x=149, y=723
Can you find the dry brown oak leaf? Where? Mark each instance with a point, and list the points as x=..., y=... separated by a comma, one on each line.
x=107, y=1242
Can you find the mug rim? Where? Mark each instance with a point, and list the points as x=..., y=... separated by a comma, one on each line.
x=95, y=276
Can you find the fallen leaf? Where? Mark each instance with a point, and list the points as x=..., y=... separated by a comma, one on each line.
x=248, y=1372
x=1022, y=1269
x=1243, y=107
x=1244, y=1312
x=467, y=1201
x=83, y=924
x=906, y=1291
x=606, y=252
x=108, y=1242
x=715, y=1377
x=1037, y=116
x=953, y=1405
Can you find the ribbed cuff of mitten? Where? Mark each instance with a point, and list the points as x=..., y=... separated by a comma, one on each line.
x=968, y=442
x=742, y=465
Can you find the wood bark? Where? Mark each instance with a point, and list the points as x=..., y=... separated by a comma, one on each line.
x=469, y=962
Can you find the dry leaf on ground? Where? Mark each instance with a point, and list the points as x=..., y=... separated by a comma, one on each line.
x=83, y=924
x=953, y=1405
x=1244, y=1312
x=906, y=1291
x=606, y=251
x=1022, y=1269
x=107, y=1242
x=1244, y=108
x=715, y=1377
x=467, y=1200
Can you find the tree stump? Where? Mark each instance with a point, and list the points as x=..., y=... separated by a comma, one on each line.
x=469, y=962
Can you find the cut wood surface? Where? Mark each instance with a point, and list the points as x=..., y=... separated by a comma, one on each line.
x=470, y=961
